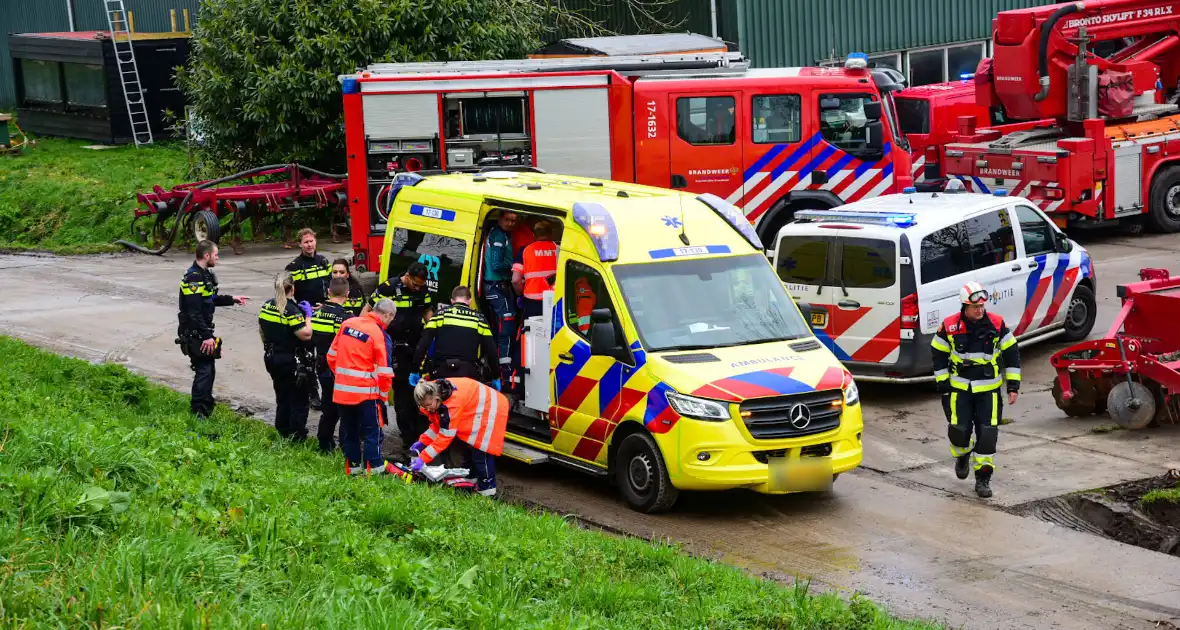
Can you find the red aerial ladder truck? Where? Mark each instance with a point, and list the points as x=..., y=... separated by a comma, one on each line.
x=1104, y=73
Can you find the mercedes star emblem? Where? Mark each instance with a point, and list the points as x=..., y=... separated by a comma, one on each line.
x=800, y=416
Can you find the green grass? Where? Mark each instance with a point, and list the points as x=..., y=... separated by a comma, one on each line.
x=62, y=198
x=117, y=509
x=1162, y=495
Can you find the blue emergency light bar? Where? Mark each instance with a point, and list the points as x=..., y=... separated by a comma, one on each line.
x=732, y=216
x=1000, y=192
x=599, y=224
x=896, y=219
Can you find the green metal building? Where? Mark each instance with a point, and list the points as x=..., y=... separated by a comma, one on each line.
x=48, y=16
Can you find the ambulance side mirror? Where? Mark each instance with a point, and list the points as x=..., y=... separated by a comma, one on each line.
x=805, y=308
x=603, y=340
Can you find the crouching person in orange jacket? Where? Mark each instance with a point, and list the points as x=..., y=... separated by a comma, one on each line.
x=359, y=360
x=466, y=409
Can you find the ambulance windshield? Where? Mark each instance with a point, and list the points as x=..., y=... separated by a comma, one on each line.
x=708, y=303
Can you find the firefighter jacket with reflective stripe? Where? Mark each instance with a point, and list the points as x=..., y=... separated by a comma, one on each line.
x=412, y=307
x=311, y=275
x=356, y=298
x=457, y=332
x=359, y=360
x=474, y=413
x=968, y=354
x=198, y=298
x=325, y=323
x=585, y=300
x=538, y=268
x=278, y=329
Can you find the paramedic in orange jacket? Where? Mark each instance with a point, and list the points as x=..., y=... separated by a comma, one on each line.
x=359, y=360
x=466, y=409
x=537, y=270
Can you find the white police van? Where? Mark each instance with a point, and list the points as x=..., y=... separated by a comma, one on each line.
x=879, y=275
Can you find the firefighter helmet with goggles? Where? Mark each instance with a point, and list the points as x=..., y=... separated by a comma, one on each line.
x=973, y=293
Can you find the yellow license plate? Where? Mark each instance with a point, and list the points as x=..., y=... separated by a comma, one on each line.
x=819, y=320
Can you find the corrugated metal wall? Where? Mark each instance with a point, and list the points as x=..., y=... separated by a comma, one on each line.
x=679, y=15
x=802, y=32
x=39, y=16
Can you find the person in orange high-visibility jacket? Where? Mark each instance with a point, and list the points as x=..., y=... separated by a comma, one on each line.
x=585, y=299
x=537, y=270
x=359, y=360
x=466, y=409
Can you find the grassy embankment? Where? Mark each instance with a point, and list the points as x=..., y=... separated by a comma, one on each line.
x=62, y=198
x=116, y=509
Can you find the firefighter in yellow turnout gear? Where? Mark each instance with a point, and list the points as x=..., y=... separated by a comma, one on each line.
x=967, y=352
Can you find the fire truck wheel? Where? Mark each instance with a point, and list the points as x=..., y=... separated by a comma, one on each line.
x=1164, y=210
x=206, y=226
x=1080, y=314
x=643, y=476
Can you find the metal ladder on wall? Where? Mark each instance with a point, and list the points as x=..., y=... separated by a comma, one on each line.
x=118, y=21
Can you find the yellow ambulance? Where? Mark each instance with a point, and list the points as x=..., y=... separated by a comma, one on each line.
x=696, y=371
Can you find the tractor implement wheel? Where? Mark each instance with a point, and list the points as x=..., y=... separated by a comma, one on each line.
x=206, y=226
x=1084, y=401
x=1131, y=405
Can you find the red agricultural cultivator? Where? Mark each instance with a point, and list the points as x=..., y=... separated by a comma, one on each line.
x=1134, y=372
x=208, y=209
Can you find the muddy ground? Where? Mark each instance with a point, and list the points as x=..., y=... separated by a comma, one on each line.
x=901, y=528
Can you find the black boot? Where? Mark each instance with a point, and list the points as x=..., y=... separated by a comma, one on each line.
x=982, y=480
x=963, y=466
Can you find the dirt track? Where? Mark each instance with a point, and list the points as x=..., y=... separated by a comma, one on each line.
x=901, y=528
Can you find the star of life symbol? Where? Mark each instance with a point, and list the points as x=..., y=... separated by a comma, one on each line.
x=671, y=222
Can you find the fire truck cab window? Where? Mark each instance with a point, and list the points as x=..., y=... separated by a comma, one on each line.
x=776, y=119
x=585, y=291
x=1034, y=231
x=706, y=120
x=843, y=123
x=443, y=256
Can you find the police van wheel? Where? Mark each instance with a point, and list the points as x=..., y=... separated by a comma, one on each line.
x=1163, y=214
x=1080, y=314
x=206, y=226
x=642, y=475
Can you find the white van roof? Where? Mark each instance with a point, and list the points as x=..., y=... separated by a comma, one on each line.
x=891, y=214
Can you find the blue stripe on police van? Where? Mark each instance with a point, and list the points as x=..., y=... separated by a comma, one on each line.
x=432, y=213
x=699, y=250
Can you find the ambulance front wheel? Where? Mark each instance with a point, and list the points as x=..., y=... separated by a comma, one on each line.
x=642, y=475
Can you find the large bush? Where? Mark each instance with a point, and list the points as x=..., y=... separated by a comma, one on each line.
x=262, y=76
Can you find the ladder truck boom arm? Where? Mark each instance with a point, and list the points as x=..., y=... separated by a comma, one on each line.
x=1034, y=48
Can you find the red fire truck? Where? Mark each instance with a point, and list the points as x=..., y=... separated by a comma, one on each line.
x=928, y=117
x=769, y=140
x=1104, y=73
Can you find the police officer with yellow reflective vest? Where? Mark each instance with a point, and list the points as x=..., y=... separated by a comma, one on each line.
x=355, y=303
x=311, y=273
x=325, y=323
x=415, y=306
x=967, y=352
x=462, y=340
x=285, y=329
x=198, y=300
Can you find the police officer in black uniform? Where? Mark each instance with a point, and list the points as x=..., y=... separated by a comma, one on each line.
x=415, y=306
x=462, y=340
x=285, y=328
x=325, y=323
x=356, y=294
x=311, y=273
x=198, y=299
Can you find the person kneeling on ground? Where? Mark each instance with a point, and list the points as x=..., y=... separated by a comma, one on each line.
x=465, y=408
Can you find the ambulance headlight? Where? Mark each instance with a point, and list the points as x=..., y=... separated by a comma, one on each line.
x=699, y=408
x=851, y=393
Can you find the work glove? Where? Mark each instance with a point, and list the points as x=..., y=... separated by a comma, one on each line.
x=306, y=308
x=416, y=464
x=519, y=302
x=416, y=449
x=496, y=384
x=943, y=387
x=414, y=378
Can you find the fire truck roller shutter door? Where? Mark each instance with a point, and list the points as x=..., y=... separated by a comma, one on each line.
x=395, y=116
x=573, y=131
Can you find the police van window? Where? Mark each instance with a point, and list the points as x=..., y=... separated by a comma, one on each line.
x=868, y=263
x=442, y=255
x=945, y=254
x=1034, y=231
x=802, y=260
x=706, y=120
x=842, y=121
x=991, y=239
x=777, y=119
x=584, y=292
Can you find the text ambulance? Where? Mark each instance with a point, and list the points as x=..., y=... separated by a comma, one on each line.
x=696, y=370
